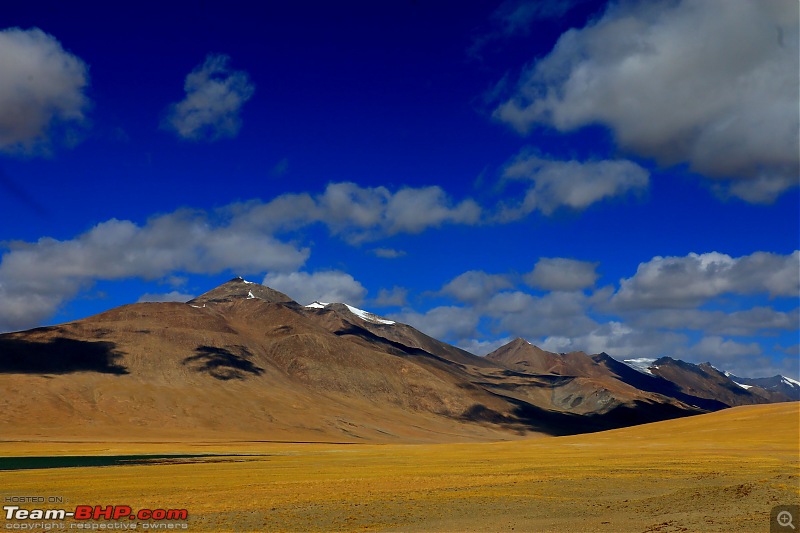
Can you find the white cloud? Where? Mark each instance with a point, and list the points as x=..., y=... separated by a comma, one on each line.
x=360, y=214
x=445, y=322
x=554, y=314
x=572, y=184
x=396, y=296
x=475, y=286
x=388, y=253
x=753, y=321
x=215, y=95
x=482, y=347
x=326, y=286
x=619, y=340
x=711, y=83
x=172, y=296
x=674, y=282
x=41, y=86
x=35, y=278
x=719, y=349
x=560, y=274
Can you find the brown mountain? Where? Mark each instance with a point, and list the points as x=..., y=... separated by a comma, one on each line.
x=244, y=361
x=705, y=381
x=593, y=383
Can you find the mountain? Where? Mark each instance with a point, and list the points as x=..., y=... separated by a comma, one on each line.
x=775, y=386
x=237, y=289
x=244, y=361
x=705, y=381
x=601, y=378
x=241, y=360
x=701, y=386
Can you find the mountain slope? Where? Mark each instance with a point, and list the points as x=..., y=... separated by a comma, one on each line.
x=245, y=361
x=704, y=381
x=777, y=388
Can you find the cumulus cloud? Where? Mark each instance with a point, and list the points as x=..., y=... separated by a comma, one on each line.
x=214, y=98
x=326, y=286
x=674, y=282
x=42, y=86
x=35, y=278
x=555, y=314
x=444, y=322
x=619, y=340
x=719, y=349
x=757, y=320
x=172, y=296
x=560, y=274
x=710, y=83
x=567, y=318
x=482, y=347
x=475, y=286
x=396, y=296
x=572, y=184
x=359, y=214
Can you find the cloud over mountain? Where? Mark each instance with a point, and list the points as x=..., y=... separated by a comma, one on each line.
x=669, y=282
x=326, y=286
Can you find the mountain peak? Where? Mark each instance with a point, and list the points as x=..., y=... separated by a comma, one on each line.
x=239, y=288
x=360, y=313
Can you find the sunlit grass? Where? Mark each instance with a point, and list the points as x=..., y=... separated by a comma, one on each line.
x=719, y=472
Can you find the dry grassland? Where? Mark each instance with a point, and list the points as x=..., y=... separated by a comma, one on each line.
x=716, y=472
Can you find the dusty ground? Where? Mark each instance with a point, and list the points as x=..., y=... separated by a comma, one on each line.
x=716, y=472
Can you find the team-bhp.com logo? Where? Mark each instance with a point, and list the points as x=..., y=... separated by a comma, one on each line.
x=148, y=518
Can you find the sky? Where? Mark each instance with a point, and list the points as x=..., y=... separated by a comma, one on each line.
x=597, y=176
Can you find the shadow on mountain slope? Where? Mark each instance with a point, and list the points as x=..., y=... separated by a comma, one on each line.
x=529, y=417
x=658, y=385
x=60, y=355
x=223, y=364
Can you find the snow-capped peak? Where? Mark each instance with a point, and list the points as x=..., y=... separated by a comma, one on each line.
x=791, y=382
x=360, y=313
x=642, y=364
x=366, y=315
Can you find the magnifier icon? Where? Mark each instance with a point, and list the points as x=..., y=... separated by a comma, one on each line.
x=785, y=519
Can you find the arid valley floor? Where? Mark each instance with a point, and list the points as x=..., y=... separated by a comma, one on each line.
x=722, y=471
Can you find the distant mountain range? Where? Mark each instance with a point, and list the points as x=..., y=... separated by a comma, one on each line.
x=244, y=361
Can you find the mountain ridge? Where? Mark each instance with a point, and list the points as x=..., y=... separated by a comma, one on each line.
x=243, y=359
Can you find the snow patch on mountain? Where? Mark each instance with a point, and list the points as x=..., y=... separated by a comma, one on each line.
x=360, y=313
x=366, y=315
x=743, y=386
x=791, y=382
x=642, y=364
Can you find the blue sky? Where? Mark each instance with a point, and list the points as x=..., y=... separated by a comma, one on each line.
x=618, y=177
